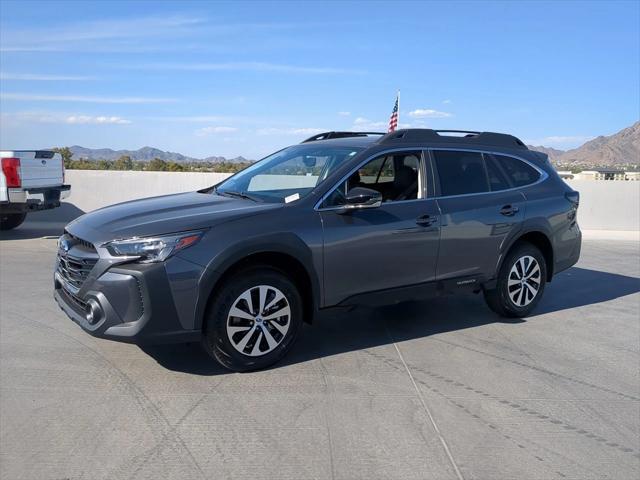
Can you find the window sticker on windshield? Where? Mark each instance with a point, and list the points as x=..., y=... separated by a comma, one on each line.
x=292, y=198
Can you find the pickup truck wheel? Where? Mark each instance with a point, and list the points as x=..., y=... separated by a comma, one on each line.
x=9, y=221
x=253, y=319
x=521, y=282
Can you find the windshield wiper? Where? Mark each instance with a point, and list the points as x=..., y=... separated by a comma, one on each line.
x=232, y=193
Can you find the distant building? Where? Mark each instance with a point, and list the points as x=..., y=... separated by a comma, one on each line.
x=566, y=174
x=632, y=176
x=600, y=174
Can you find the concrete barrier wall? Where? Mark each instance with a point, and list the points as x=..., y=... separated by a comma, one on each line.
x=604, y=205
x=608, y=205
x=91, y=189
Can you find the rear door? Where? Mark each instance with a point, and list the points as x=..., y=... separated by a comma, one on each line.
x=479, y=212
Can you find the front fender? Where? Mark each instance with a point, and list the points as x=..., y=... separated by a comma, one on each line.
x=285, y=243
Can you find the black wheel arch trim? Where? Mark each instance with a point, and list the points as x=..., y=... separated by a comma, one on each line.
x=284, y=243
x=539, y=226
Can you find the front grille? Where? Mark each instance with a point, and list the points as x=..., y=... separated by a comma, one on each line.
x=79, y=304
x=75, y=270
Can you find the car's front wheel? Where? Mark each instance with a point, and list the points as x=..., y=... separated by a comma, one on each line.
x=520, y=284
x=253, y=319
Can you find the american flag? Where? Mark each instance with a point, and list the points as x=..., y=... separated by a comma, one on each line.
x=393, y=120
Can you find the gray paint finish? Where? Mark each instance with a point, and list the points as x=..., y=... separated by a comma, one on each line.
x=344, y=255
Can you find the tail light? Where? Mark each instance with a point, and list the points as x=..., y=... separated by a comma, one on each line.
x=11, y=170
x=573, y=197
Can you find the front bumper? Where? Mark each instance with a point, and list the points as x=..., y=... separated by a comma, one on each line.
x=130, y=303
x=34, y=199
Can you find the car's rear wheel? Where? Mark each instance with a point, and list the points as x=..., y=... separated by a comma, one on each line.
x=9, y=221
x=520, y=284
x=253, y=319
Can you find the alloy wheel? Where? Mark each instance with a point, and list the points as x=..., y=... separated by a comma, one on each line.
x=524, y=281
x=258, y=320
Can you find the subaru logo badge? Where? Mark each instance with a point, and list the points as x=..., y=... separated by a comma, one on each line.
x=64, y=243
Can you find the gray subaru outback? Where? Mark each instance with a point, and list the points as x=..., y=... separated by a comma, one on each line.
x=342, y=219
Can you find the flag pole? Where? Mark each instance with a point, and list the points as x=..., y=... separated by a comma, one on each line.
x=398, y=107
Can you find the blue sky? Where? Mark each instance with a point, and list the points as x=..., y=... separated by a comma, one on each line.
x=244, y=78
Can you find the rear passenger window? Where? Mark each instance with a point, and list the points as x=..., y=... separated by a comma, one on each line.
x=497, y=178
x=519, y=172
x=460, y=172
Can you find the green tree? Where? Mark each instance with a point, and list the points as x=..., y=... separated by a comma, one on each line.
x=175, y=167
x=123, y=163
x=66, y=154
x=157, y=165
x=104, y=165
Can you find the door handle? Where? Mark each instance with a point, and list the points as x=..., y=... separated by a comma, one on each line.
x=427, y=220
x=509, y=210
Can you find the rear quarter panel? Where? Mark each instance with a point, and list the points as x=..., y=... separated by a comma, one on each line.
x=550, y=212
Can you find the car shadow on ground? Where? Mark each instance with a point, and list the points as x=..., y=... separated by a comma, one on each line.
x=45, y=223
x=339, y=331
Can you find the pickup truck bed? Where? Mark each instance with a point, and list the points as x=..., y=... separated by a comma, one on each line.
x=29, y=180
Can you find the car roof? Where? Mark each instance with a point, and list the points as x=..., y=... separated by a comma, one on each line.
x=346, y=142
x=421, y=136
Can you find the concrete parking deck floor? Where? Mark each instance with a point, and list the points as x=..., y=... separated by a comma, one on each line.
x=441, y=389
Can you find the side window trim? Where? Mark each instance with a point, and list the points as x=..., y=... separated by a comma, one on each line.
x=421, y=194
x=489, y=158
x=543, y=175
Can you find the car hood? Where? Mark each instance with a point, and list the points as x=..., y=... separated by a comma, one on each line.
x=160, y=215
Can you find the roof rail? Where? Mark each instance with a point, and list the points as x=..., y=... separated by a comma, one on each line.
x=333, y=134
x=471, y=137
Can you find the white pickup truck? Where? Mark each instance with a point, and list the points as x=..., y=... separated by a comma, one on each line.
x=29, y=180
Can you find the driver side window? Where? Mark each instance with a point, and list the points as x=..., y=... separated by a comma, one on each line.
x=396, y=176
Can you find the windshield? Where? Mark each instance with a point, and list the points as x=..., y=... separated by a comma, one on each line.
x=287, y=175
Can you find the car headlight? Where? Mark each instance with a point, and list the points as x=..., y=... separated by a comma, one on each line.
x=153, y=249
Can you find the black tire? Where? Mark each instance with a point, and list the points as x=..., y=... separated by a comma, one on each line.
x=216, y=340
x=499, y=298
x=9, y=221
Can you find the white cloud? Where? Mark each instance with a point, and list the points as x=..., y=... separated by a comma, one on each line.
x=364, y=124
x=100, y=120
x=344, y=114
x=203, y=132
x=560, y=141
x=196, y=118
x=289, y=131
x=64, y=118
x=246, y=66
x=87, y=34
x=446, y=102
x=428, y=113
x=42, y=77
x=35, y=97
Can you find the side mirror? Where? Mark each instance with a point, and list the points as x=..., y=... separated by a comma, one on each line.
x=359, y=198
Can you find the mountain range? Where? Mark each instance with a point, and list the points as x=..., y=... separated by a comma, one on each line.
x=144, y=154
x=617, y=150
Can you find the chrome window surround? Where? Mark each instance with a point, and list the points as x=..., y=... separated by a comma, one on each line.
x=422, y=176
